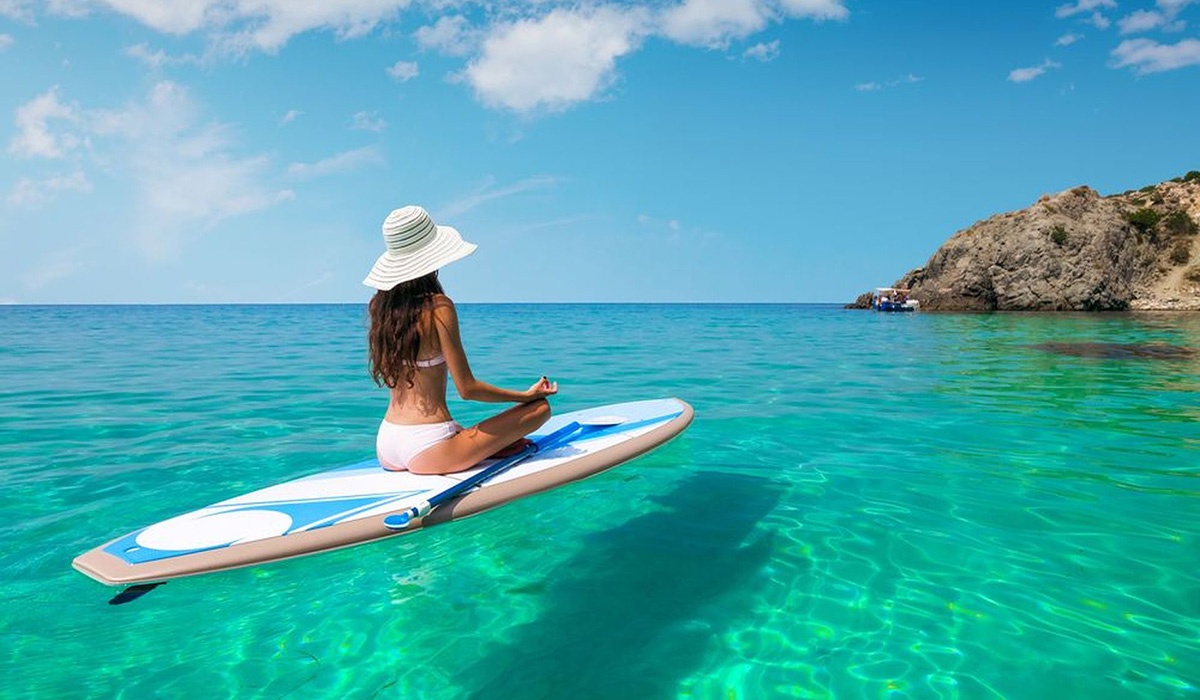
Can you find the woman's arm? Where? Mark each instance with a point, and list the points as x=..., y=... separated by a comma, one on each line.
x=446, y=321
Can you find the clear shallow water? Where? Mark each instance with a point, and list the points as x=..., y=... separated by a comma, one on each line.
x=867, y=506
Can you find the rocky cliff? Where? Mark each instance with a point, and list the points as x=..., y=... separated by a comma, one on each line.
x=1076, y=250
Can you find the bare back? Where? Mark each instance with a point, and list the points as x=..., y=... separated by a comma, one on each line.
x=425, y=400
x=441, y=357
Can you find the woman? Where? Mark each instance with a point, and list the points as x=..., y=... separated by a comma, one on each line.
x=414, y=340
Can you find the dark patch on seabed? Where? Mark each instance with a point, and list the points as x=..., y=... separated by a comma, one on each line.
x=625, y=618
x=1119, y=351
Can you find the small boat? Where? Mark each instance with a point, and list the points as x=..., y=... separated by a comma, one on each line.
x=891, y=299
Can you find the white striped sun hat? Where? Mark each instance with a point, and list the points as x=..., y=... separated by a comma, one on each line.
x=415, y=247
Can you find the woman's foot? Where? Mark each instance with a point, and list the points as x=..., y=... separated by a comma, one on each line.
x=512, y=449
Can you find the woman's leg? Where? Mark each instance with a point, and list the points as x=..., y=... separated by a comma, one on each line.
x=476, y=443
x=511, y=448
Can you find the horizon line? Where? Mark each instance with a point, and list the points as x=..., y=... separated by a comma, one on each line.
x=458, y=303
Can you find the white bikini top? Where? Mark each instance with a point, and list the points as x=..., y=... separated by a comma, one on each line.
x=438, y=359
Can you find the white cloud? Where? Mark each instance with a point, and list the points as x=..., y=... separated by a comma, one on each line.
x=714, y=23
x=1149, y=56
x=1068, y=39
x=286, y=18
x=18, y=10
x=1024, y=75
x=73, y=9
x=171, y=17
x=524, y=55
x=556, y=61
x=404, y=71
x=763, y=52
x=142, y=52
x=267, y=25
x=6, y=41
x=872, y=86
x=340, y=163
x=34, y=137
x=1141, y=21
x=1163, y=19
x=1172, y=7
x=290, y=116
x=246, y=24
x=488, y=193
x=569, y=56
x=158, y=59
x=368, y=121
x=1081, y=6
x=815, y=9
x=1097, y=18
x=450, y=36
x=184, y=171
x=31, y=193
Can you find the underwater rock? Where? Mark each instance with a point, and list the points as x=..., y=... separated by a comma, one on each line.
x=1119, y=351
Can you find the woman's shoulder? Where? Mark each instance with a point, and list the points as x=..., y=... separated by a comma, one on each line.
x=443, y=306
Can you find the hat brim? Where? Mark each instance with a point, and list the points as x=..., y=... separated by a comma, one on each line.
x=445, y=247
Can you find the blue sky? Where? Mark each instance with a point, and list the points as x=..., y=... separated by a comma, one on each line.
x=203, y=151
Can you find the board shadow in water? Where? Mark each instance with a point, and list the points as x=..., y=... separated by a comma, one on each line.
x=626, y=618
x=1119, y=351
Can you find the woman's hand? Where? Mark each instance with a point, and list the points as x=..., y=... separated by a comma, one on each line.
x=540, y=390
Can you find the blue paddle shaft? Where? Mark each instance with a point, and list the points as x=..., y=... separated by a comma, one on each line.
x=401, y=520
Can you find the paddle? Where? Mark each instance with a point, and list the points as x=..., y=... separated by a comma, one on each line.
x=570, y=431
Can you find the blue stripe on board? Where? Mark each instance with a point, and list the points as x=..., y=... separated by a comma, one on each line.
x=344, y=516
x=242, y=505
x=128, y=550
x=304, y=515
x=624, y=428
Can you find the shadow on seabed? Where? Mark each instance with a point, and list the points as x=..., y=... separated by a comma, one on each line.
x=626, y=617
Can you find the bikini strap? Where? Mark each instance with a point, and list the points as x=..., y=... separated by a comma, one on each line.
x=438, y=359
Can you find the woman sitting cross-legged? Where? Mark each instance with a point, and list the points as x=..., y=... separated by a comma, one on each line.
x=414, y=339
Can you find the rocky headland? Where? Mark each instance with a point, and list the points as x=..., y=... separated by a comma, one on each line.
x=1072, y=251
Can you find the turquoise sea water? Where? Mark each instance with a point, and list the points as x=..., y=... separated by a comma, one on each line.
x=866, y=506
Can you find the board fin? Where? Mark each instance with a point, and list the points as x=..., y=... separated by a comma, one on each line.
x=133, y=593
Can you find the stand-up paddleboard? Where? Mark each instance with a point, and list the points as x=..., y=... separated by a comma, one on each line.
x=348, y=506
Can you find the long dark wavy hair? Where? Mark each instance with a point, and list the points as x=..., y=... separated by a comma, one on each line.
x=399, y=323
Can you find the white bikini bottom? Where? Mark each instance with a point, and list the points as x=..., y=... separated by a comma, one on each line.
x=396, y=445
